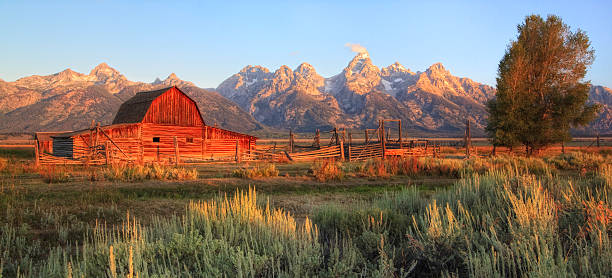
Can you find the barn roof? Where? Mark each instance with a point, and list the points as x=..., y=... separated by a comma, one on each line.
x=135, y=108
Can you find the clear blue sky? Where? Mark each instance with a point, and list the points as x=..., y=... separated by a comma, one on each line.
x=209, y=41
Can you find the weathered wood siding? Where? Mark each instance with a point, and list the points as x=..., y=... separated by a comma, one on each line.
x=125, y=137
x=45, y=146
x=164, y=149
x=194, y=143
x=174, y=108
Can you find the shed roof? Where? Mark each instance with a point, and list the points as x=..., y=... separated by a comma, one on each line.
x=66, y=134
x=47, y=136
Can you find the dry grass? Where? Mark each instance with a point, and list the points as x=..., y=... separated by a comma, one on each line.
x=506, y=217
x=257, y=171
x=55, y=174
x=327, y=170
x=134, y=173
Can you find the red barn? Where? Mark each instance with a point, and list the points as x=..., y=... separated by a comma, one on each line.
x=151, y=126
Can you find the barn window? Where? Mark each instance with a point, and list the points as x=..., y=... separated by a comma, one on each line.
x=189, y=139
x=156, y=139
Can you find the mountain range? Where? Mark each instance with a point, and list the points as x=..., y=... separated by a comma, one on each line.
x=70, y=101
x=430, y=102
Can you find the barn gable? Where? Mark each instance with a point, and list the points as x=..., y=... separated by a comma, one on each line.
x=169, y=106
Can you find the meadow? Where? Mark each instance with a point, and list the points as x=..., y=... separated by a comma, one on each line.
x=501, y=216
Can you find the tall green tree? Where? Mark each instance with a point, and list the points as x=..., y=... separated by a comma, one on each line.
x=541, y=91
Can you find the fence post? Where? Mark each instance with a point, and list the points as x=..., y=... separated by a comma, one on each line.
x=141, y=150
x=467, y=138
x=97, y=136
x=563, y=147
x=237, y=150
x=106, y=151
x=341, y=150
x=400, y=133
x=382, y=131
x=36, y=154
x=336, y=135
x=318, y=139
x=176, y=152
x=382, y=137
x=366, y=136
x=205, y=148
x=598, y=140
x=350, y=141
x=291, y=141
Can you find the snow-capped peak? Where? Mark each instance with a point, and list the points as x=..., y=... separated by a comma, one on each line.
x=103, y=69
x=304, y=67
x=396, y=69
x=437, y=67
x=253, y=69
x=172, y=76
x=363, y=55
x=398, y=66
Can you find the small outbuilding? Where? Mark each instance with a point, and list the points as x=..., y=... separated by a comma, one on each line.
x=157, y=126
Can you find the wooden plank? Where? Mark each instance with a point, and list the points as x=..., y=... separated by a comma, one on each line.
x=176, y=152
x=37, y=161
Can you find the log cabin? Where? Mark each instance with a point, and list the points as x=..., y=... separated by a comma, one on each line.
x=155, y=126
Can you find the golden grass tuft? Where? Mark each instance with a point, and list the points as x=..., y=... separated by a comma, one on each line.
x=134, y=173
x=258, y=171
x=327, y=170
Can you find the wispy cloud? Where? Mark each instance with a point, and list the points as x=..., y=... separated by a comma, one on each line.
x=355, y=47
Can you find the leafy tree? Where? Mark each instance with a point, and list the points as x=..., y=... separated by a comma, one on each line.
x=541, y=93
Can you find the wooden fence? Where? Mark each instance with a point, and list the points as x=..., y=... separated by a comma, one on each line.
x=363, y=152
x=323, y=153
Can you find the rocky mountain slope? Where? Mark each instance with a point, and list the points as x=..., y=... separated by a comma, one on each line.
x=430, y=102
x=70, y=101
x=359, y=96
x=603, y=123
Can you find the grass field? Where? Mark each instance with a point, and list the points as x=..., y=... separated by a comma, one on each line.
x=546, y=216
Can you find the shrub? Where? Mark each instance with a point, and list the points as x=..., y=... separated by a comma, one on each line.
x=577, y=161
x=134, y=173
x=504, y=223
x=227, y=236
x=327, y=170
x=3, y=164
x=258, y=171
x=54, y=174
x=375, y=168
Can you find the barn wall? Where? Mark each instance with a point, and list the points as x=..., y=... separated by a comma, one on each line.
x=173, y=108
x=135, y=142
x=125, y=137
x=193, y=142
x=45, y=146
x=164, y=149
